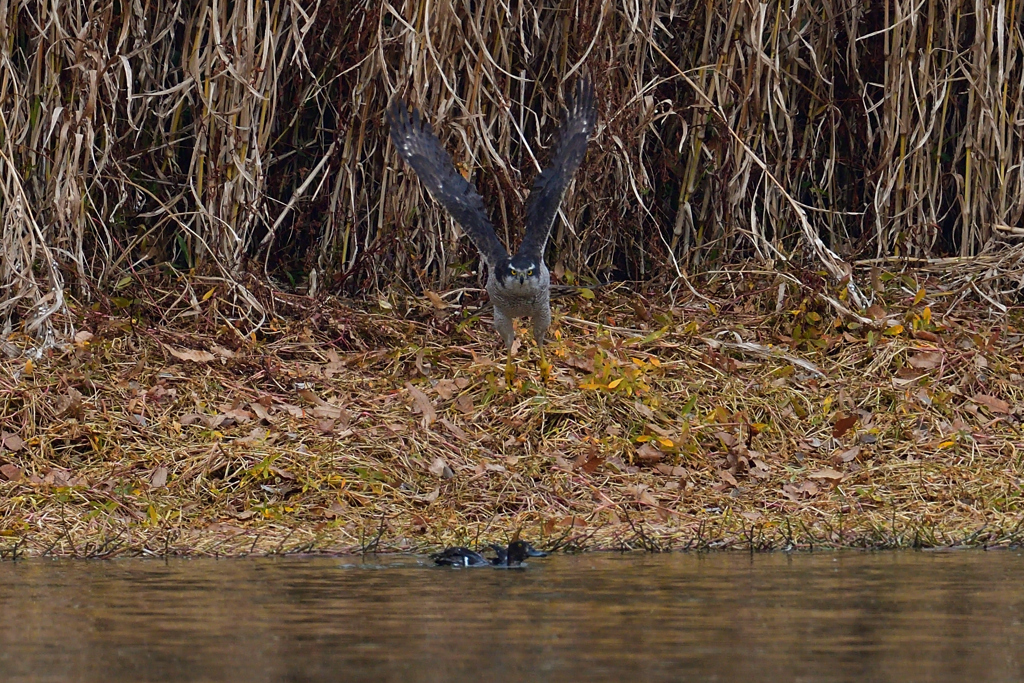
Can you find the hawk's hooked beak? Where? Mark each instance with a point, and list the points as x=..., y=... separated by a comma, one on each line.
x=522, y=279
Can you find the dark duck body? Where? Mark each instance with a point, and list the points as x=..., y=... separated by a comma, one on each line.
x=460, y=557
x=512, y=556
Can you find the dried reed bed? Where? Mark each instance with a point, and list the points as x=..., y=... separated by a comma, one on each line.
x=664, y=427
x=218, y=148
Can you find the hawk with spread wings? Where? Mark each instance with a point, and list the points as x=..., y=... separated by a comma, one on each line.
x=519, y=285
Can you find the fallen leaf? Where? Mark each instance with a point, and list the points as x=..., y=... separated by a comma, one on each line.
x=422, y=405
x=11, y=442
x=294, y=411
x=334, y=511
x=257, y=435
x=589, y=461
x=10, y=472
x=70, y=404
x=648, y=453
x=876, y=312
x=728, y=478
x=260, y=411
x=222, y=352
x=829, y=475
x=925, y=361
x=464, y=404
x=189, y=354
x=159, y=477
x=454, y=430
x=672, y=471
x=238, y=415
x=994, y=404
x=446, y=388
x=439, y=468
x=310, y=396
x=848, y=455
x=327, y=411
x=843, y=425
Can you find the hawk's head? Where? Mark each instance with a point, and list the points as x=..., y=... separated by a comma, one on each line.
x=522, y=268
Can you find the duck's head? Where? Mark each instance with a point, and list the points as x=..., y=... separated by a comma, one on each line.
x=520, y=550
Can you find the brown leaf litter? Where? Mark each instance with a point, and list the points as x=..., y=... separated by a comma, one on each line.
x=395, y=430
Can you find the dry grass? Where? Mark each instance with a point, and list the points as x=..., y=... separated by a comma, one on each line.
x=750, y=418
x=242, y=142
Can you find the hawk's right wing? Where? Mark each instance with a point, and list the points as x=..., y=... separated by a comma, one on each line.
x=416, y=143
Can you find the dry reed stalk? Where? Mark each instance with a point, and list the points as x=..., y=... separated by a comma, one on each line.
x=144, y=147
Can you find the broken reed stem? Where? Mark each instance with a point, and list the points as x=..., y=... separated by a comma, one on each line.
x=160, y=145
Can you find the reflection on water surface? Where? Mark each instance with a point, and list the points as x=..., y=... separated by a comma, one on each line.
x=817, y=617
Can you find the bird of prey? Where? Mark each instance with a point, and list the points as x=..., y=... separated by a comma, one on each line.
x=520, y=285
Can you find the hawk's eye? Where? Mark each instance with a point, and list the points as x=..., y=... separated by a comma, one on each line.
x=530, y=271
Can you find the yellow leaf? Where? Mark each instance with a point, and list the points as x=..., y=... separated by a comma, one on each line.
x=639, y=362
x=893, y=331
x=946, y=444
x=614, y=383
x=589, y=386
x=209, y=293
x=919, y=297
x=29, y=367
x=667, y=443
x=586, y=293
x=643, y=438
x=655, y=362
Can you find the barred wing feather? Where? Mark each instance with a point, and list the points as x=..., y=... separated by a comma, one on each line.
x=416, y=143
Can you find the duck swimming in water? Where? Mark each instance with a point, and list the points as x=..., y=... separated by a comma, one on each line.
x=512, y=556
x=460, y=557
x=515, y=554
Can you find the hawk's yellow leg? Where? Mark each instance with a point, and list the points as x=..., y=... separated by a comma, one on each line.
x=545, y=367
x=510, y=370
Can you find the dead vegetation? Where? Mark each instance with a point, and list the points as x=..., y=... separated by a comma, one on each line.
x=202, y=179
x=142, y=141
x=751, y=417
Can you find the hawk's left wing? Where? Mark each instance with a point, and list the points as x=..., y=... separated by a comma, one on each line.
x=416, y=143
x=550, y=185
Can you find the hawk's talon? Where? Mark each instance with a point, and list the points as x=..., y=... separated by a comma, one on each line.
x=545, y=367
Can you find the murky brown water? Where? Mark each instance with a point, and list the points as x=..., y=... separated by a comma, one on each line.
x=909, y=616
